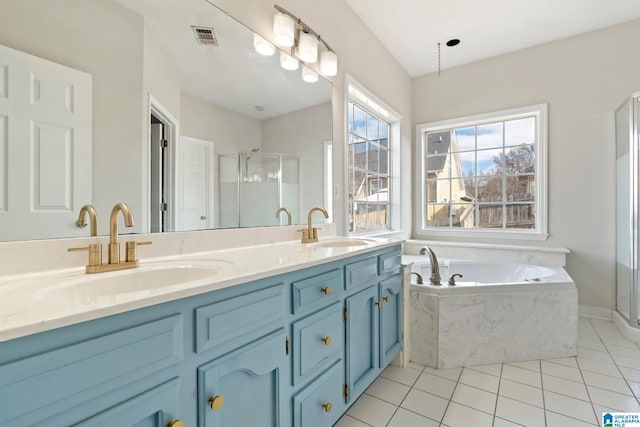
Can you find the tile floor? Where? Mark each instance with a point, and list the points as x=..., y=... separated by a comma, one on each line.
x=564, y=392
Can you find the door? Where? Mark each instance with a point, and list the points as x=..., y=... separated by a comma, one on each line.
x=157, y=210
x=45, y=128
x=195, y=184
x=243, y=388
x=390, y=319
x=362, y=340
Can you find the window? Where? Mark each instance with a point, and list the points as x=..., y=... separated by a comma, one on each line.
x=485, y=174
x=368, y=170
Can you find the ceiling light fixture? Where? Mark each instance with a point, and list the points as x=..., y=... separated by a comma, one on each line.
x=262, y=46
x=288, y=62
x=309, y=75
x=291, y=32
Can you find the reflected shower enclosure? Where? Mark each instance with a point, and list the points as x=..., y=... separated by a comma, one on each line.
x=627, y=199
x=253, y=186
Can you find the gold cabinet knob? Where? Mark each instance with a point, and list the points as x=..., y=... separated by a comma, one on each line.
x=378, y=303
x=386, y=299
x=327, y=406
x=175, y=423
x=326, y=340
x=216, y=402
x=326, y=290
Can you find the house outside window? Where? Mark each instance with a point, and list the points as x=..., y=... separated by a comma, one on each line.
x=369, y=156
x=485, y=175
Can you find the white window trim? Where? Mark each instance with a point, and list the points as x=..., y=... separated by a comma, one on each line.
x=384, y=111
x=540, y=232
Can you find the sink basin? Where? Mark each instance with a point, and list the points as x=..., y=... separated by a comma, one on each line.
x=342, y=243
x=146, y=278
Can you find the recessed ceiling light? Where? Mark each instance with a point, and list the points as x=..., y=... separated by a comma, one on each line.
x=453, y=42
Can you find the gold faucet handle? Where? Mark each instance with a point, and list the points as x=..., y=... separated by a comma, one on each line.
x=95, y=253
x=305, y=235
x=131, y=254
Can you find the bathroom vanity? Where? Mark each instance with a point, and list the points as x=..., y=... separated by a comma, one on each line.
x=291, y=346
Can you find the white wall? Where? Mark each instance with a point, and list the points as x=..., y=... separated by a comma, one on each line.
x=584, y=79
x=361, y=55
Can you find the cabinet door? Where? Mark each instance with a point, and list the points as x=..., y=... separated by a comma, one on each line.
x=390, y=319
x=243, y=387
x=362, y=340
x=153, y=408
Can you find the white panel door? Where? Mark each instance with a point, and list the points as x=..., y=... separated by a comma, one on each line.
x=45, y=147
x=195, y=184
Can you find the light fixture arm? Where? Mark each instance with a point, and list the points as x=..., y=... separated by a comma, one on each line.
x=302, y=26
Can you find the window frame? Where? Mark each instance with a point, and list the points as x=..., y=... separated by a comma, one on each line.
x=539, y=111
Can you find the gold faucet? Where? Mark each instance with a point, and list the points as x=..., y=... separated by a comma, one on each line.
x=90, y=211
x=310, y=234
x=95, y=250
x=285, y=210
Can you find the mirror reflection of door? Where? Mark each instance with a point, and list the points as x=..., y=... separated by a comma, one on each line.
x=158, y=147
x=195, y=184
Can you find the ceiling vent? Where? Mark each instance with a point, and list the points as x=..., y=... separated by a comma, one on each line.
x=205, y=35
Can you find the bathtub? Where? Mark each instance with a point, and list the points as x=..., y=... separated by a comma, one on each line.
x=496, y=312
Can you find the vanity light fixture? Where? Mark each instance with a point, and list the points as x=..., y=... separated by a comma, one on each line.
x=309, y=75
x=288, y=62
x=262, y=46
x=304, y=42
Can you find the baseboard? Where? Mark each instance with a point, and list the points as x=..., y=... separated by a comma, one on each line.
x=595, y=312
x=629, y=332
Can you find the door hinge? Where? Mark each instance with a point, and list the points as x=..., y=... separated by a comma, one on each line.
x=345, y=313
x=286, y=346
x=164, y=143
x=346, y=390
x=163, y=206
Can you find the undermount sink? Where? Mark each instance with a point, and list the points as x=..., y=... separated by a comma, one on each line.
x=342, y=243
x=147, y=277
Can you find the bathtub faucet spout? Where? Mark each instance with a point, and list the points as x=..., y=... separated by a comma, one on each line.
x=435, y=268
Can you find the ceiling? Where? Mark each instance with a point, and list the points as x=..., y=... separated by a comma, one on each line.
x=412, y=29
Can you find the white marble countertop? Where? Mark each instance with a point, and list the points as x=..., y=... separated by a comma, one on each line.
x=32, y=303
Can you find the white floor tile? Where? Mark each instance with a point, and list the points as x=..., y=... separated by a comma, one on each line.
x=557, y=420
x=519, y=412
x=426, y=404
x=499, y=422
x=623, y=351
x=404, y=418
x=635, y=387
x=630, y=374
x=479, y=380
x=451, y=374
x=520, y=375
x=416, y=366
x=561, y=371
x=462, y=416
x=617, y=340
x=566, y=387
x=388, y=390
x=566, y=361
x=594, y=355
x=347, y=421
x=435, y=385
x=372, y=410
x=406, y=376
x=606, y=382
x=494, y=369
x=598, y=367
x=627, y=362
x=569, y=406
x=521, y=392
x=475, y=398
x=531, y=365
x=610, y=399
x=593, y=345
x=600, y=410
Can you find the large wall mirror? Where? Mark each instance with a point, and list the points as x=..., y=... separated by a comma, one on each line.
x=162, y=104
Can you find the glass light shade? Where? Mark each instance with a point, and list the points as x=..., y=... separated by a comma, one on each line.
x=329, y=63
x=308, y=48
x=262, y=46
x=283, y=29
x=288, y=62
x=308, y=75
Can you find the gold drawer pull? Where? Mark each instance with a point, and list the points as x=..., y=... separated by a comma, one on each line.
x=386, y=299
x=326, y=290
x=326, y=340
x=327, y=406
x=175, y=423
x=216, y=402
x=378, y=303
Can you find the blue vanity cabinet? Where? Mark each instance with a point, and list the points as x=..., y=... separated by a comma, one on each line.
x=391, y=310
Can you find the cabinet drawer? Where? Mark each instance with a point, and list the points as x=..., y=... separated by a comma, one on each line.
x=312, y=291
x=318, y=340
x=361, y=273
x=321, y=403
x=235, y=316
x=389, y=263
x=34, y=389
